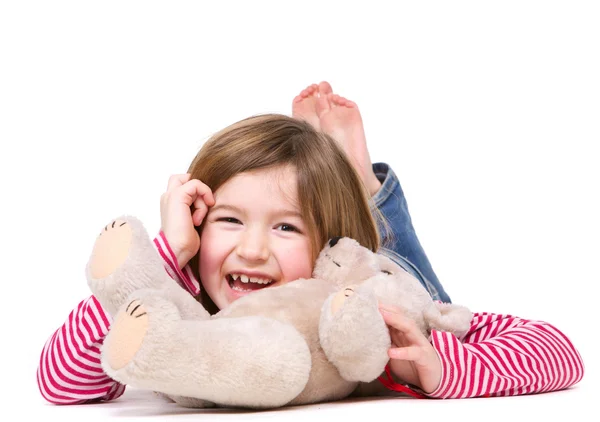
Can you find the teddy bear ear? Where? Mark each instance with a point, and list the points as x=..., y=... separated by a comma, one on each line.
x=333, y=241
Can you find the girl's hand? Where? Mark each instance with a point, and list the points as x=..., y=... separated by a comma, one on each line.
x=177, y=221
x=413, y=358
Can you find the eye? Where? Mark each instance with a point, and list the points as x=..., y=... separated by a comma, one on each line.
x=386, y=272
x=229, y=220
x=288, y=228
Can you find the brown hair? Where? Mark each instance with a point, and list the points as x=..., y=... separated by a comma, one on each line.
x=332, y=198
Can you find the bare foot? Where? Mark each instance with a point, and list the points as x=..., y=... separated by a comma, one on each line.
x=340, y=119
x=304, y=106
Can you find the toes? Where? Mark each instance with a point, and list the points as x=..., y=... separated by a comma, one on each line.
x=341, y=101
x=306, y=92
x=126, y=335
x=322, y=106
x=325, y=88
x=111, y=249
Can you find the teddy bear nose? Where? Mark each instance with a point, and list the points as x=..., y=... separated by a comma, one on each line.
x=333, y=241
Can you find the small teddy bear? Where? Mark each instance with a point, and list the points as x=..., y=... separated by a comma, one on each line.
x=308, y=341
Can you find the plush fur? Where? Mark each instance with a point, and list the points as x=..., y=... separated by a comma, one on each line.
x=311, y=340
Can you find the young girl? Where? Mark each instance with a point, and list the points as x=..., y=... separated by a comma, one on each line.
x=260, y=199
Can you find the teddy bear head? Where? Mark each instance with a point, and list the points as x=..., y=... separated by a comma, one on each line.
x=344, y=261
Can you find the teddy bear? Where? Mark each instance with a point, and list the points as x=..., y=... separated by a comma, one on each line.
x=308, y=341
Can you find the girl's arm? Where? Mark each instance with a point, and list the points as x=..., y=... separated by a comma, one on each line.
x=70, y=371
x=503, y=355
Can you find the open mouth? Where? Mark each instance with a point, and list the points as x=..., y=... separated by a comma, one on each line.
x=243, y=284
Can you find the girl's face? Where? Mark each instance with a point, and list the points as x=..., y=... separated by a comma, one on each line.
x=254, y=237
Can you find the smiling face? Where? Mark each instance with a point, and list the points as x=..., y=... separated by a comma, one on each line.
x=254, y=236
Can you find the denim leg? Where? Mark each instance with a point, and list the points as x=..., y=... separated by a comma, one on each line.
x=401, y=237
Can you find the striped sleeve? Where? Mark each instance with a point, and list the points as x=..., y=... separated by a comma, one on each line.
x=184, y=277
x=69, y=371
x=502, y=355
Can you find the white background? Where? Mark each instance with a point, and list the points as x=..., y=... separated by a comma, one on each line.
x=488, y=113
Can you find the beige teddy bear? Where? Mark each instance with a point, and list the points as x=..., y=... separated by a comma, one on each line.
x=308, y=341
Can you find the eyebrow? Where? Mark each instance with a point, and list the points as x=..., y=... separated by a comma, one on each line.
x=278, y=212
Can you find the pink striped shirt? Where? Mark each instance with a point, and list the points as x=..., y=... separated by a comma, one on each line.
x=501, y=355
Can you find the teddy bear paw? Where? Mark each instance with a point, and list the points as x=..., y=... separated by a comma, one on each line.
x=127, y=334
x=111, y=248
x=123, y=260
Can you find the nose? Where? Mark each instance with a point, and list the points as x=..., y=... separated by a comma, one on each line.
x=253, y=246
x=333, y=241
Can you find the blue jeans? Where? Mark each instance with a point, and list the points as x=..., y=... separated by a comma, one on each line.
x=402, y=244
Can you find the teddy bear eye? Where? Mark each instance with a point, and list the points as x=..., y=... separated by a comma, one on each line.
x=386, y=272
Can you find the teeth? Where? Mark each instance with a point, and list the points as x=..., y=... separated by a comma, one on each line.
x=245, y=279
x=259, y=280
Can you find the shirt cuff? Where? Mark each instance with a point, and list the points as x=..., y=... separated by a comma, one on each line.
x=184, y=277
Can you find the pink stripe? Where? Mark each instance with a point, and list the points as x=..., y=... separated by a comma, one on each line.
x=162, y=253
x=512, y=366
x=573, y=360
x=174, y=265
x=90, y=379
x=541, y=361
x=51, y=396
x=176, y=271
x=44, y=389
x=471, y=368
x=76, y=333
x=547, y=348
x=442, y=345
x=193, y=281
x=519, y=364
x=101, y=313
x=541, y=350
x=483, y=376
x=453, y=341
x=64, y=389
x=484, y=353
x=75, y=324
x=86, y=325
x=75, y=348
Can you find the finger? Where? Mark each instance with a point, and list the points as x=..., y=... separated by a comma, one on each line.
x=197, y=191
x=396, y=320
x=177, y=180
x=199, y=214
x=405, y=353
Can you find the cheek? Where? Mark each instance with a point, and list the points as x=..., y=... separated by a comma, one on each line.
x=296, y=262
x=211, y=252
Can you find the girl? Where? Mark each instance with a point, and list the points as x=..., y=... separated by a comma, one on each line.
x=260, y=199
